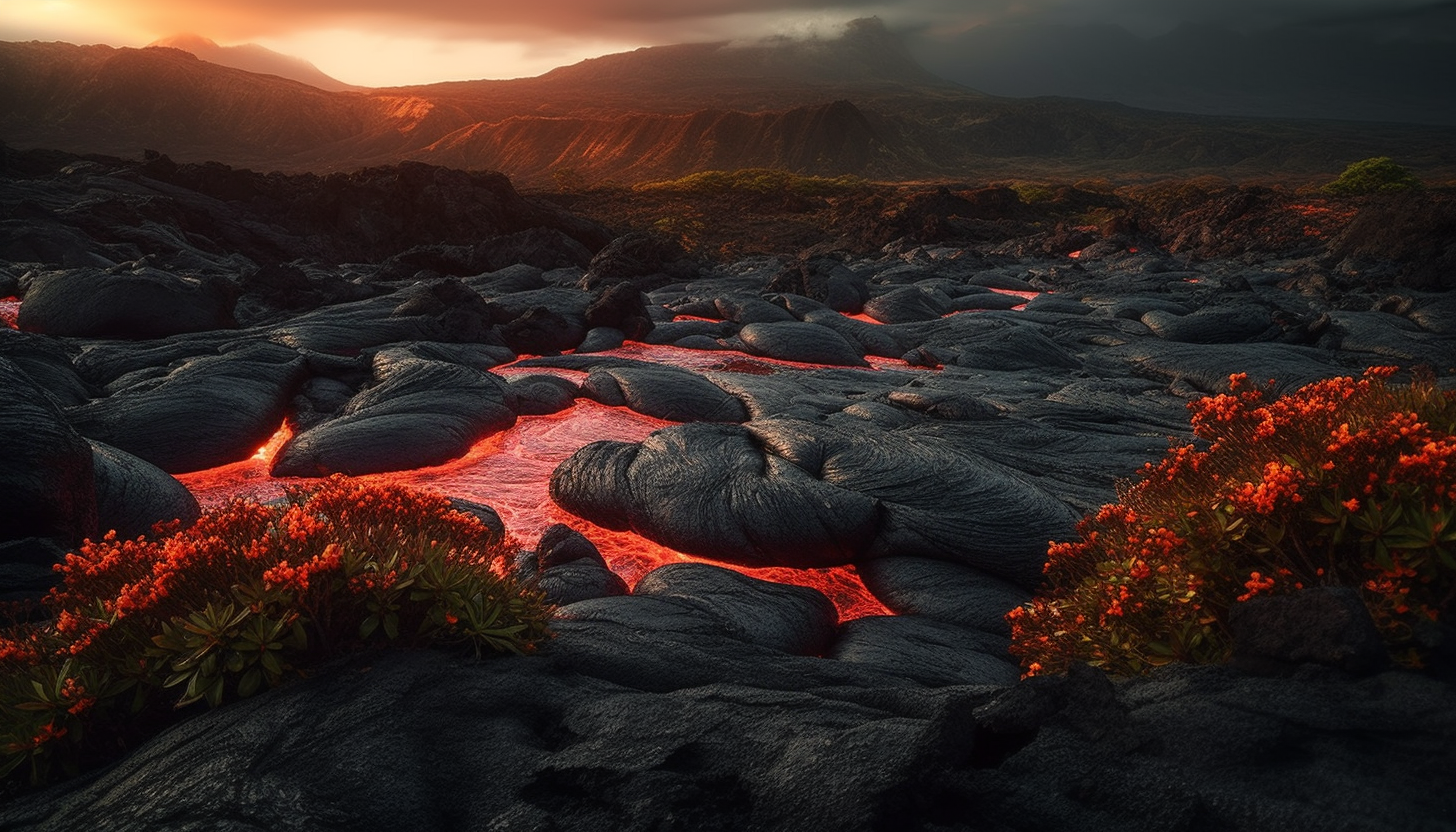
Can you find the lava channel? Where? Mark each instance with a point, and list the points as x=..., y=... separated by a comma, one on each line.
x=10, y=312
x=511, y=472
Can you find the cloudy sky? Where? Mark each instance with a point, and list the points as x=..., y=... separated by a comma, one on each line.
x=389, y=42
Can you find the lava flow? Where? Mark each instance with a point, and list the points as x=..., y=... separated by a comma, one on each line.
x=9, y=311
x=511, y=472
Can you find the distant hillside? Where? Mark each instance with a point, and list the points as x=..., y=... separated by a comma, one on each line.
x=250, y=57
x=1392, y=65
x=853, y=105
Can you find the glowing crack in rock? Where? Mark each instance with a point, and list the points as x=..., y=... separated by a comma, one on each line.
x=9, y=311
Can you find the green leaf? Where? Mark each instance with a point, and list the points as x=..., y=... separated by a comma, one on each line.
x=35, y=706
x=214, y=693
x=249, y=684
x=368, y=626
x=391, y=626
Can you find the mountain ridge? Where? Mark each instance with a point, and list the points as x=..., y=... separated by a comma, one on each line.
x=770, y=104
x=251, y=57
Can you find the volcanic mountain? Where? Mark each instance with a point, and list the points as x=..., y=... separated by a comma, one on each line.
x=251, y=57
x=856, y=104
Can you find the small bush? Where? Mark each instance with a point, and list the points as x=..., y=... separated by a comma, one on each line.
x=1033, y=193
x=1344, y=482
x=246, y=597
x=1372, y=176
x=758, y=181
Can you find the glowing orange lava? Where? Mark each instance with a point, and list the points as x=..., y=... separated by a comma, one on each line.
x=511, y=472
x=9, y=311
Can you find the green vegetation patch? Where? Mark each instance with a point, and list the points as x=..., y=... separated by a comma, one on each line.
x=1376, y=175
x=1346, y=482
x=246, y=598
x=761, y=181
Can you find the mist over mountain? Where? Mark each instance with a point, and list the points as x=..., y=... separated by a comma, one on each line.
x=1392, y=66
x=251, y=57
x=857, y=104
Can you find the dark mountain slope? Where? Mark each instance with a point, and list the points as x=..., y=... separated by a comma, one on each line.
x=250, y=57
x=828, y=139
x=98, y=99
x=857, y=104
x=1368, y=69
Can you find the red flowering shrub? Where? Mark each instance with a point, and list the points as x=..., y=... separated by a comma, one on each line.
x=245, y=596
x=1343, y=482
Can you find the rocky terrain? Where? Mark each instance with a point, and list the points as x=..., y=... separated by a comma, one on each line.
x=929, y=411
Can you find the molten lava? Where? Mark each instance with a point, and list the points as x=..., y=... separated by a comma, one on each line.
x=511, y=472
x=9, y=311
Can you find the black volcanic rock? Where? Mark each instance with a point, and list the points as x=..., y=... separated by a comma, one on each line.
x=207, y=411
x=710, y=490
x=579, y=580
x=560, y=544
x=620, y=306
x=927, y=650
x=645, y=261
x=132, y=495
x=620, y=727
x=46, y=363
x=137, y=304
x=801, y=341
x=417, y=413
x=543, y=248
x=711, y=600
x=541, y=330
x=908, y=303
x=1324, y=625
x=788, y=493
x=824, y=279
x=664, y=393
x=944, y=591
x=539, y=394
x=46, y=467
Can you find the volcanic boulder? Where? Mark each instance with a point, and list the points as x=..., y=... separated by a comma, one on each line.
x=788, y=493
x=568, y=568
x=664, y=392
x=798, y=341
x=205, y=412
x=699, y=599
x=418, y=413
x=137, y=304
x=927, y=650
x=132, y=494
x=644, y=261
x=942, y=590
x=47, y=475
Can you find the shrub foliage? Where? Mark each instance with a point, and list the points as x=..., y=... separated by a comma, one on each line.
x=1344, y=482
x=1372, y=176
x=246, y=597
x=760, y=181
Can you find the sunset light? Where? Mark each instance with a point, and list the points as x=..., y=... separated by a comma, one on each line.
x=782, y=415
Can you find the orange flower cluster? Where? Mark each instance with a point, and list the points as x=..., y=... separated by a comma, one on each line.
x=1346, y=481
x=247, y=594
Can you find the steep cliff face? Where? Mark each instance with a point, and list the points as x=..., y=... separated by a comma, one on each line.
x=829, y=139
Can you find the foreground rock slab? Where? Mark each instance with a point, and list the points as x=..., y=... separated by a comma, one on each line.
x=611, y=729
